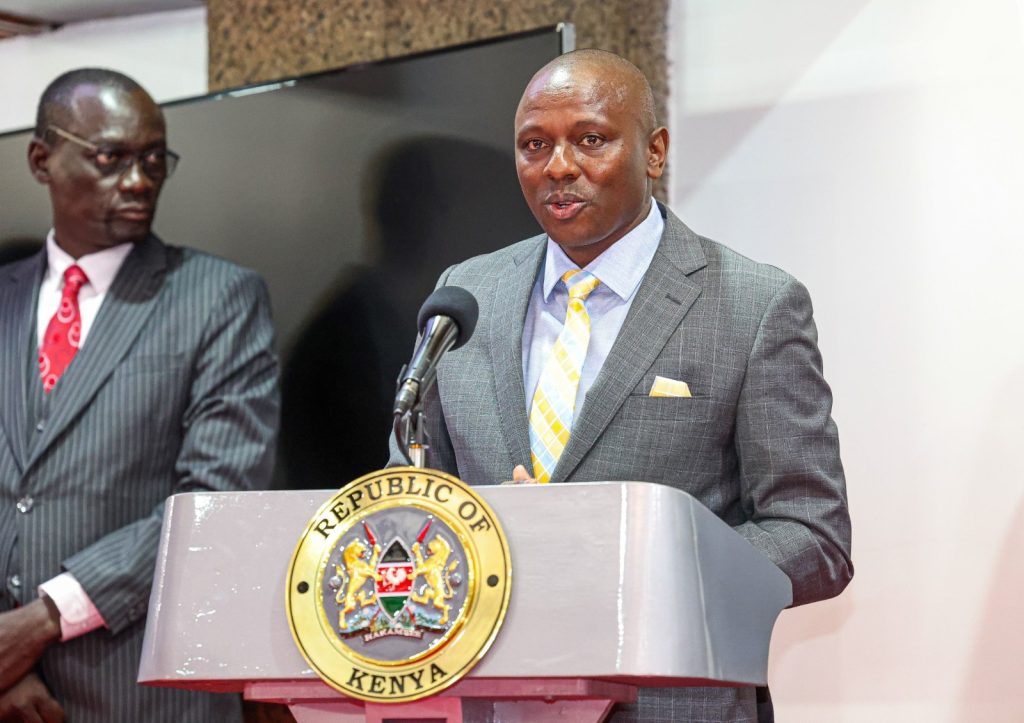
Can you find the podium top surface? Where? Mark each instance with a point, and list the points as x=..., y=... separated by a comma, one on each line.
x=613, y=580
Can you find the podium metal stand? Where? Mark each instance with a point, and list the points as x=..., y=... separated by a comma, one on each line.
x=616, y=585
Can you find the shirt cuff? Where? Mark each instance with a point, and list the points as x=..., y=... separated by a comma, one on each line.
x=78, y=615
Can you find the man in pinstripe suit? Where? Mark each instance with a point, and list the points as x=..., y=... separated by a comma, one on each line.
x=701, y=370
x=155, y=376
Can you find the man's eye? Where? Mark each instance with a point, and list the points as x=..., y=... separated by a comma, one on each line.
x=107, y=158
x=155, y=157
x=591, y=139
x=534, y=144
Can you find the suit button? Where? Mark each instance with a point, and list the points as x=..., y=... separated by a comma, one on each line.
x=14, y=581
x=24, y=505
x=40, y=426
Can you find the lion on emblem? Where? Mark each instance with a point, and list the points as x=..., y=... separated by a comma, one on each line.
x=356, y=572
x=436, y=572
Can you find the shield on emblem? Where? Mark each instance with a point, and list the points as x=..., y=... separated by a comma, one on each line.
x=396, y=575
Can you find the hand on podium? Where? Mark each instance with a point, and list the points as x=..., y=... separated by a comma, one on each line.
x=520, y=477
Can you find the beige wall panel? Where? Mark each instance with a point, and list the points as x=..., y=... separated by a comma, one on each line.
x=254, y=41
x=259, y=40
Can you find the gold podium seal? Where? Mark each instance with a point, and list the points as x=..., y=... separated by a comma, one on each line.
x=399, y=585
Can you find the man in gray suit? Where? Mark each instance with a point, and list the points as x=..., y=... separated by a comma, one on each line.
x=699, y=367
x=130, y=370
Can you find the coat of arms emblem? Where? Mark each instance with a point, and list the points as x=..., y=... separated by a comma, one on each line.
x=404, y=590
x=398, y=585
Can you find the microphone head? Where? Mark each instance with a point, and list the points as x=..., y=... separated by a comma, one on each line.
x=456, y=303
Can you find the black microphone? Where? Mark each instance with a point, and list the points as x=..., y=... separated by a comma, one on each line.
x=446, y=321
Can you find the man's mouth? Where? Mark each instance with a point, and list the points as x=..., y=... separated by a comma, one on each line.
x=564, y=207
x=135, y=214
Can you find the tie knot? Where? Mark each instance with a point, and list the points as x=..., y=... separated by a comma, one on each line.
x=74, y=279
x=580, y=283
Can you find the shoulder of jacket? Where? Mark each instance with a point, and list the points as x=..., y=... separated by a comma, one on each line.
x=498, y=260
x=742, y=269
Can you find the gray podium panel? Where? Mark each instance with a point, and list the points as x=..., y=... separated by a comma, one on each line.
x=622, y=581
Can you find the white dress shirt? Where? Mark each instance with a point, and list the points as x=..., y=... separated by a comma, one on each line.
x=620, y=269
x=77, y=613
x=100, y=267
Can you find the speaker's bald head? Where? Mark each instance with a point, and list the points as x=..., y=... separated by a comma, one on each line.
x=602, y=75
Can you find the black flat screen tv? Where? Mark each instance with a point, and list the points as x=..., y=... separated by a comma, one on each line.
x=350, y=191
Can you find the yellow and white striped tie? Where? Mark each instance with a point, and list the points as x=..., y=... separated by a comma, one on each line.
x=555, y=399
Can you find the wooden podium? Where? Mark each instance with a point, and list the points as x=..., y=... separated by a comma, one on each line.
x=615, y=586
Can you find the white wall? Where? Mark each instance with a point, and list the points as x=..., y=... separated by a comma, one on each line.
x=166, y=52
x=875, y=149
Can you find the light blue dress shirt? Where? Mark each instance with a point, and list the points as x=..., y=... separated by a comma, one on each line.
x=620, y=270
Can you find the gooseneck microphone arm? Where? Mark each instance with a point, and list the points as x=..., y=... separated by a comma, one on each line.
x=439, y=334
x=446, y=321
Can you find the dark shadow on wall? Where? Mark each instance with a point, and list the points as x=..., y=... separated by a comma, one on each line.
x=430, y=202
x=15, y=249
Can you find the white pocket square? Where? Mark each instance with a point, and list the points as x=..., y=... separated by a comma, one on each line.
x=665, y=387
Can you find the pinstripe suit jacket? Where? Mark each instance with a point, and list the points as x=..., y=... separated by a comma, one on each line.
x=174, y=391
x=756, y=443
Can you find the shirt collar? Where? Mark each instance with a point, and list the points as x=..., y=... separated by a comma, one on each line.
x=101, y=266
x=622, y=265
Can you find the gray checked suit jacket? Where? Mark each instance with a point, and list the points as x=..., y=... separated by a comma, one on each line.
x=755, y=443
x=175, y=390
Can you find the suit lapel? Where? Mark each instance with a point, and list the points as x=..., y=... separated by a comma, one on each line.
x=19, y=290
x=129, y=302
x=661, y=302
x=506, y=344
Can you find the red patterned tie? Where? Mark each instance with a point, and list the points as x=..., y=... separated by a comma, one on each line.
x=64, y=332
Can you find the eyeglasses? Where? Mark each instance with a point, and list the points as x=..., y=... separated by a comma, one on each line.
x=157, y=163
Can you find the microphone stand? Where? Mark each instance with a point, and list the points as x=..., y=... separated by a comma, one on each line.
x=411, y=433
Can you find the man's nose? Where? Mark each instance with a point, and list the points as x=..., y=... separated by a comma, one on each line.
x=562, y=163
x=134, y=179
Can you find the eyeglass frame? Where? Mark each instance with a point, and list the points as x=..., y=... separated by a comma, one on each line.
x=171, y=158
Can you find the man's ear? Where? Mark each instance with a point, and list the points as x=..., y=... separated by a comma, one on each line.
x=657, y=152
x=39, y=160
